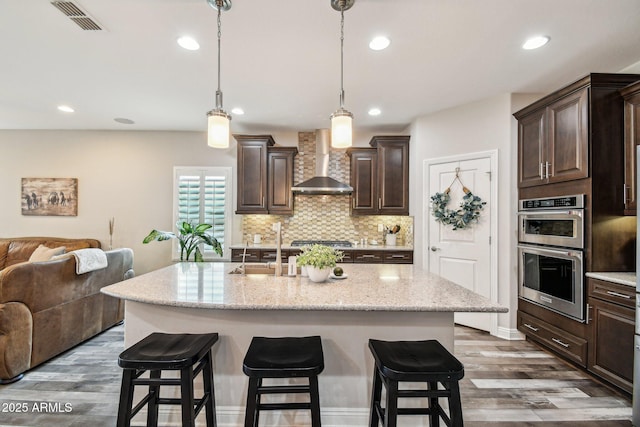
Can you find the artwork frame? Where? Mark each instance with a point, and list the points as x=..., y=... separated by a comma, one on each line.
x=49, y=196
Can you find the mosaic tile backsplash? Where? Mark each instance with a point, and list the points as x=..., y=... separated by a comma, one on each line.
x=323, y=217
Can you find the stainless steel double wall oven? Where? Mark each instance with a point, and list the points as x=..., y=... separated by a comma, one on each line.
x=551, y=252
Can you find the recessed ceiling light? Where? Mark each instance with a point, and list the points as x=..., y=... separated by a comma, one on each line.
x=535, y=42
x=379, y=43
x=188, y=43
x=124, y=121
x=66, y=108
x=239, y=111
x=375, y=112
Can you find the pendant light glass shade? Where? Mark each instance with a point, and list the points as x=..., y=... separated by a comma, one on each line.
x=341, y=129
x=341, y=120
x=218, y=120
x=218, y=129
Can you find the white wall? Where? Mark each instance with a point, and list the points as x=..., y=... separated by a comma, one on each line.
x=480, y=126
x=126, y=175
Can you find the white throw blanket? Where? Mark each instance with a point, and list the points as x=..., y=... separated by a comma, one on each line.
x=89, y=260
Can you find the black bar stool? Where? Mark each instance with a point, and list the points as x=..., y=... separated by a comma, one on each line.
x=159, y=352
x=283, y=358
x=415, y=361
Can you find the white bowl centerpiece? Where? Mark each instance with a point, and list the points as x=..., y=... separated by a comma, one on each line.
x=319, y=260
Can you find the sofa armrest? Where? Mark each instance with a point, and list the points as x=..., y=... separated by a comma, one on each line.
x=42, y=285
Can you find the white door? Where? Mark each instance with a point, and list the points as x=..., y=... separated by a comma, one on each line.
x=463, y=255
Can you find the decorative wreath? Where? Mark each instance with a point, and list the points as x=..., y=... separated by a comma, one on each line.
x=469, y=210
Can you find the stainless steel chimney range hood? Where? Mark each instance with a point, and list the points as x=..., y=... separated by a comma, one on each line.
x=322, y=183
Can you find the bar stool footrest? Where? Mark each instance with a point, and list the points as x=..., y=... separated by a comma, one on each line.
x=281, y=406
x=281, y=389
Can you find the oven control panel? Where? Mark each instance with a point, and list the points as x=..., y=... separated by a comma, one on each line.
x=566, y=202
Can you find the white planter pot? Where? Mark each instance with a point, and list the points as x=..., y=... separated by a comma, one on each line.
x=391, y=239
x=317, y=275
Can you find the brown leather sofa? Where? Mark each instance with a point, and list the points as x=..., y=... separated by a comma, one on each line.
x=46, y=308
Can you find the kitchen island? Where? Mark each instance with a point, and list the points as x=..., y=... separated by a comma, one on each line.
x=389, y=302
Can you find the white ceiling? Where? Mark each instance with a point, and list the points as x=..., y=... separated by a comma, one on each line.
x=281, y=59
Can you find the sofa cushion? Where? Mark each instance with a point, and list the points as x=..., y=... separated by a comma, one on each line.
x=4, y=249
x=44, y=253
x=20, y=251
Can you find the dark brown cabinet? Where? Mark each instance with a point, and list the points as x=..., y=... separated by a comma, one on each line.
x=361, y=256
x=364, y=180
x=380, y=177
x=571, y=346
x=252, y=173
x=265, y=176
x=631, y=96
x=611, y=332
x=553, y=141
x=280, y=180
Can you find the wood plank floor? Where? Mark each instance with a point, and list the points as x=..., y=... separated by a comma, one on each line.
x=506, y=384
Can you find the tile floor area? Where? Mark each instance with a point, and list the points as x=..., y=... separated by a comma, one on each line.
x=507, y=384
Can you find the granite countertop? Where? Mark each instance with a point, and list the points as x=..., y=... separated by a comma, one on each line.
x=621, y=278
x=367, y=287
x=369, y=247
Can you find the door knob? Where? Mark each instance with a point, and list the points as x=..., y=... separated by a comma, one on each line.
x=434, y=248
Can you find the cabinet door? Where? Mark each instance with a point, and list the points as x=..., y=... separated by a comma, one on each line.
x=280, y=180
x=612, y=338
x=567, y=150
x=252, y=175
x=531, y=132
x=631, y=141
x=393, y=176
x=364, y=180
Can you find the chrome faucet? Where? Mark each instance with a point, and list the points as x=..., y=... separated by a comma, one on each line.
x=277, y=227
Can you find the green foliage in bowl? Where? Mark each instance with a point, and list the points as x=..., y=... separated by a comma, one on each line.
x=319, y=256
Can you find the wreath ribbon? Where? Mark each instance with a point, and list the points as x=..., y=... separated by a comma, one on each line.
x=468, y=211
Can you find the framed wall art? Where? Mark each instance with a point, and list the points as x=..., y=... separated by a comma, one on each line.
x=49, y=196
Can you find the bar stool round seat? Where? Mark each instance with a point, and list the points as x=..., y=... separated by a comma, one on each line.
x=287, y=357
x=188, y=353
x=415, y=361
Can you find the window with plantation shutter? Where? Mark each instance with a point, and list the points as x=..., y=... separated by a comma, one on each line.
x=203, y=195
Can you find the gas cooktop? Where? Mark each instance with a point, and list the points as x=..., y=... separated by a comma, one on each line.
x=332, y=243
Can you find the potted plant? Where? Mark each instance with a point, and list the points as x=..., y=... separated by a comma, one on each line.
x=190, y=237
x=319, y=260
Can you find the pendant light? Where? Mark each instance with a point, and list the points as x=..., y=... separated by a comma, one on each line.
x=218, y=119
x=341, y=120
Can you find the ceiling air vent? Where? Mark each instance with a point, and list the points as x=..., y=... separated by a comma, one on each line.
x=77, y=15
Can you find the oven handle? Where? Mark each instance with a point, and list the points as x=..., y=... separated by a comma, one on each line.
x=545, y=250
x=543, y=214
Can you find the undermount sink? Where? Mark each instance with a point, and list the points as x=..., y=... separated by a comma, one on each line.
x=261, y=269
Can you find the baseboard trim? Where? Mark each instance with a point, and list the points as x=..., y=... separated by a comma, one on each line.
x=233, y=416
x=510, y=334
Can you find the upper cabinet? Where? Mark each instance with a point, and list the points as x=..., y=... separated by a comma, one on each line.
x=631, y=96
x=380, y=177
x=553, y=143
x=558, y=134
x=265, y=176
x=280, y=180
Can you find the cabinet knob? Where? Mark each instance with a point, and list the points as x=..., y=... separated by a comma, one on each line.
x=434, y=248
